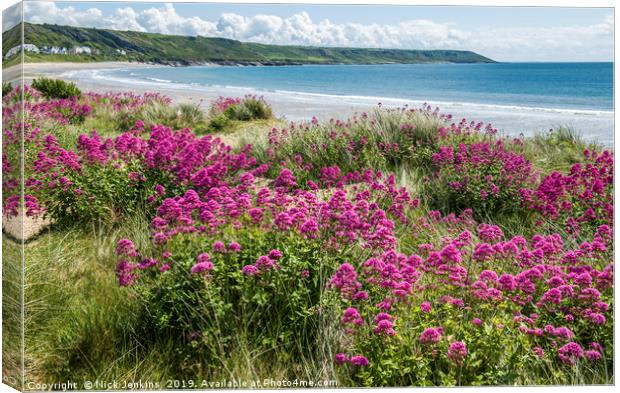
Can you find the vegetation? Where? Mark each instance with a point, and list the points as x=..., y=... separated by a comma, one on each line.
x=6, y=88
x=56, y=88
x=185, y=50
x=394, y=248
x=226, y=111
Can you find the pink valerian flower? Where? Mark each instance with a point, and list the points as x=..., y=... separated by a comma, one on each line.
x=539, y=352
x=202, y=267
x=204, y=257
x=595, y=318
x=483, y=252
x=264, y=263
x=359, y=361
x=488, y=276
x=203, y=264
x=256, y=214
x=341, y=358
x=223, y=103
x=126, y=247
x=457, y=352
x=146, y=263
x=476, y=321
x=124, y=273
x=593, y=355
x=570, y=353
x=360, y=295
x=275, y=254
x=384, y=325
x=285, y=180
x=596, y=346
x=490, y=233
x=430, y=336
x=345, y=279
x=580, y=198
x=136, y=177
x=552, y=296
x=451, y=254
x=425, y=307
x=507, y=282
x=310, y=228
x=249, y=270
x=219, y=246
x=33, y=209
x=234, y=247
x=351, y=316
x=11, y=206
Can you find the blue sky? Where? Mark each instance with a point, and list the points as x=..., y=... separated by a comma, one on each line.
x=502, y=33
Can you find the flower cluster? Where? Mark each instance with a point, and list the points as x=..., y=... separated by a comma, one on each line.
x=486, y=177
x=580, y=199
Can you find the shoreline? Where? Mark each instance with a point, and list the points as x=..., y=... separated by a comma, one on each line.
x=593, y=125
x=55, y=68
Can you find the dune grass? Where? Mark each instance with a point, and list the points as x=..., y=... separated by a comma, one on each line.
x=11, y=312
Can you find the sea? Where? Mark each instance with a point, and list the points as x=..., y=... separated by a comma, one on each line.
x=517, y=98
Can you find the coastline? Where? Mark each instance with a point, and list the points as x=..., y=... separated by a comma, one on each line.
x=54, y=68
x=296, y=106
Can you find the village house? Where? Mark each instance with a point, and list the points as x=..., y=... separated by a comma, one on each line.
x=80, y=50
x=16, y=49
x=54, y=50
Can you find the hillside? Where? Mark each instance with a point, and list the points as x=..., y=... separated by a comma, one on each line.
x=186, y=50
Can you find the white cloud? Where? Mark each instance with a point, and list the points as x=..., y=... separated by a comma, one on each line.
x=11, y=16
x=587, y=42
x=48, y=12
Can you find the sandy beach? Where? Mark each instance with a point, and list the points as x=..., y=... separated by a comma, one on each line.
x=595, y=126
x=283, y=106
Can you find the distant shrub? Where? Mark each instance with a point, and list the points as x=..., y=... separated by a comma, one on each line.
x=219, y=122
x=250, y=108
x=190, y=114
x=184, y=115
x=6, y=88
x=56, y=88
x=227, y=109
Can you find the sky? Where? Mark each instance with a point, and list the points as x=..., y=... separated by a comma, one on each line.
x=501, y=33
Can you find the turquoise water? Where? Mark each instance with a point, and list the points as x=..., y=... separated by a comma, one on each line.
x=585, y=86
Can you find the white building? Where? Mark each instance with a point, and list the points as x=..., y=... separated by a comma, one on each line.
x=79, y=50
x=16, y=49
x=121, y=52
x=54, y=50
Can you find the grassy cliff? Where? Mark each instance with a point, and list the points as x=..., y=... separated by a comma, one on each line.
x=186, y=50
